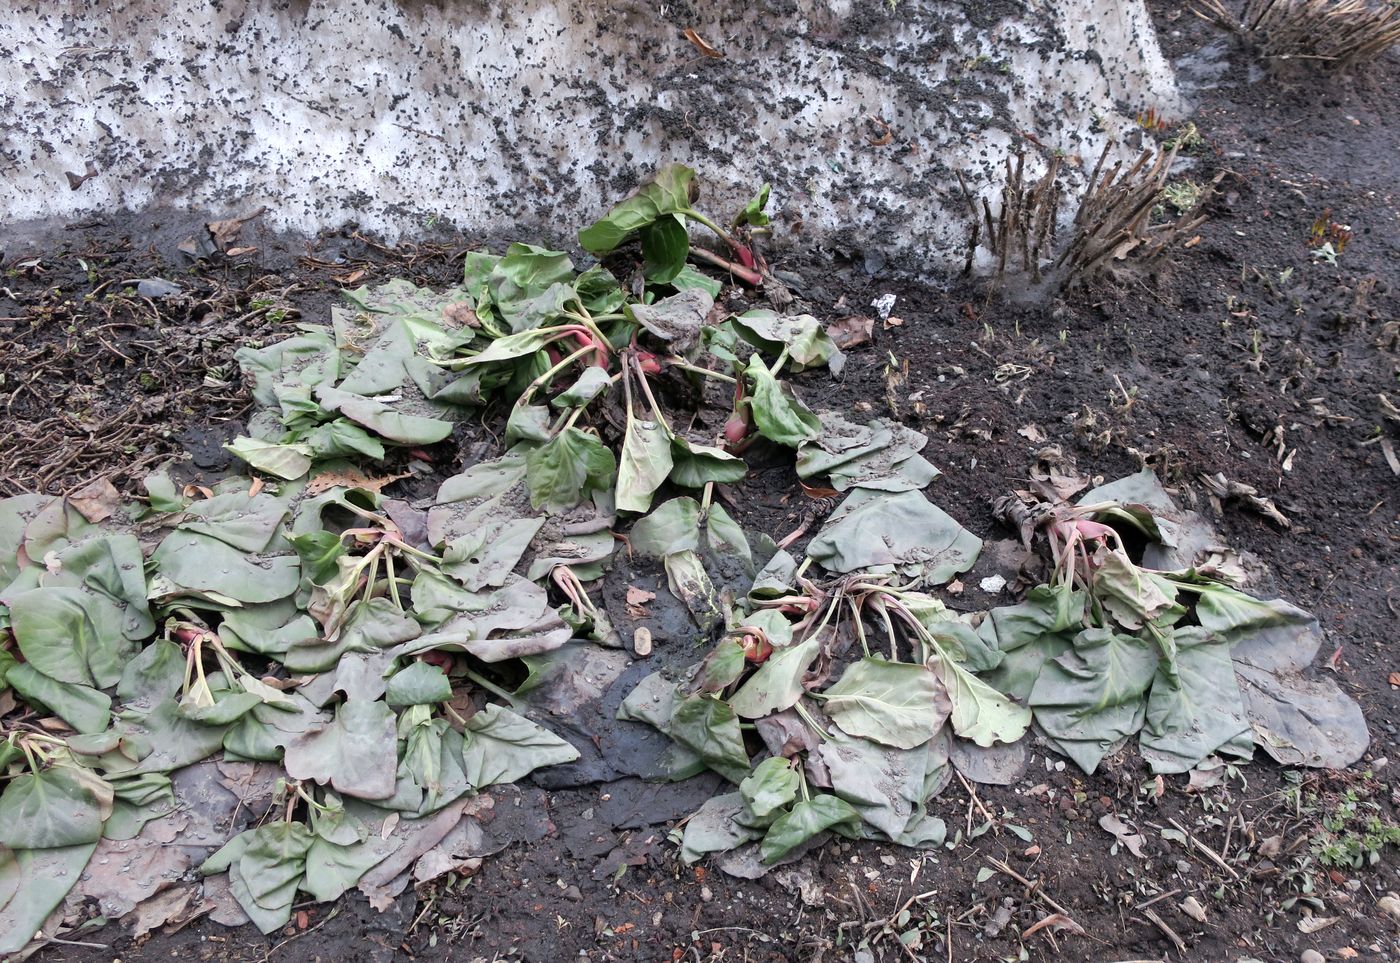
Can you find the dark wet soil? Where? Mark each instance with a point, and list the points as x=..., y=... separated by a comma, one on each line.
x=1249, y=356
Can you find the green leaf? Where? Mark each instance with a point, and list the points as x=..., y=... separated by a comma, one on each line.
x=384, y=420
x=714, y=828
x=777, y=412
x=673, y=527
x=688, y=581
x=592, y=382
x=723, y=666
x=692, y=279
x=665, y=246
x=800, y=335
x=806, y=820
x=529, y=285
x=320, y=553
x=48, y=875
x=695, y=466
x=527, y=423
x=512, y=346
x=979, y=712
x=356, y=754
x=86, y=709
x=342, y=438
x=885, y=785
x=156, y=673
x=567, y=469
x=1133, y=596
x=709, y=728
x=882, y=455
x=58, y=636
x=753, y=212
x=501, y=747
x=419, y=683
x=289, y=461
x=668, y=192
x=1197, y=709
x=892, y=703
x=1093, y=697
x=777, y=685
x=202, y=563
x=61, y=806
x=902, y=532
x=644, y=465
x=770, y=788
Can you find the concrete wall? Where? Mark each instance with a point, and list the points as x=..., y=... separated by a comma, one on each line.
x=515, y=117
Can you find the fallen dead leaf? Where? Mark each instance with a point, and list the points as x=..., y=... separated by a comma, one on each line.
x=1193, y=242
x=96, y=501
x=236, y=251
x=225, y=232
x=639, y=596
x=893, y=322
x=1192, y=907
x=851, y=331
x=955, y=587
x=1032, y=433
x=1314, y=924
x=1123, y=832
x=1057, y=921
x=886, y=138
x=700, y=44
x=1390, y=905
x=1347, y=953
x=1388, y=450
x=1271, y=847
x=459, y=314
x=191, y=490
x=350, y=478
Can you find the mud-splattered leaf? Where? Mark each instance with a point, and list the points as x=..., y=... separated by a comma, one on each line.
x=769, y=789
x=355, y=754
x=893, y=703
x=1094, y=696
x=501, y=746
x=567, y=469
x=420, y=683
x=710, y=728
x=780, y=416
x=806, y=819
x=60, y=806
x=644, y=465
x=902, y=532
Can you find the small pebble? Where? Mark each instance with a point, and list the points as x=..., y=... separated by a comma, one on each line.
x=1312, y=956
x=705, y=894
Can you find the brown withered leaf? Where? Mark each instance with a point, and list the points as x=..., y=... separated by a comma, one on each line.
x=700, y=43
x=459, y=314
x=851, y=331
x=96, y=501
x=225, y=232
x=350, y=478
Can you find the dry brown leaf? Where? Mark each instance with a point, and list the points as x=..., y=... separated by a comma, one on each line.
x=191, y=490
x=1193, y=242
x=255, y=487
x=350, y=278
x=1057, y=921
x=225, y=232
x=459, y=314
x=639, y=596
x=1192, y=907
x=1394, y=678
x=1032, y=433
x=1314, y=924
x=700, y=43
x=893, y=322
x=236, y=251
x=851, y=331
x=1388, y=450
x=1123, y=832
x=96, y=501
x=350, y=478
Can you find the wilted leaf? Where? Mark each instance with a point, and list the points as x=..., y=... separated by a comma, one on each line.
x=356, y=754
x=903, y=532
x=710, y=728
x=60, y=806
x=890, y=702
x=500, y=747
x=806, y=819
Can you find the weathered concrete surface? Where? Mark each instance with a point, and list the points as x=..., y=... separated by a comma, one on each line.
x=519, y=117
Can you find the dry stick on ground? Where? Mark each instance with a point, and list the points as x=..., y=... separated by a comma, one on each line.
x=1033, y=888
x=1214, y=856
x=1337, y=33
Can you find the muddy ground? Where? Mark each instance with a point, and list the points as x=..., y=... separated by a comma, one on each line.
x=1250, y=356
